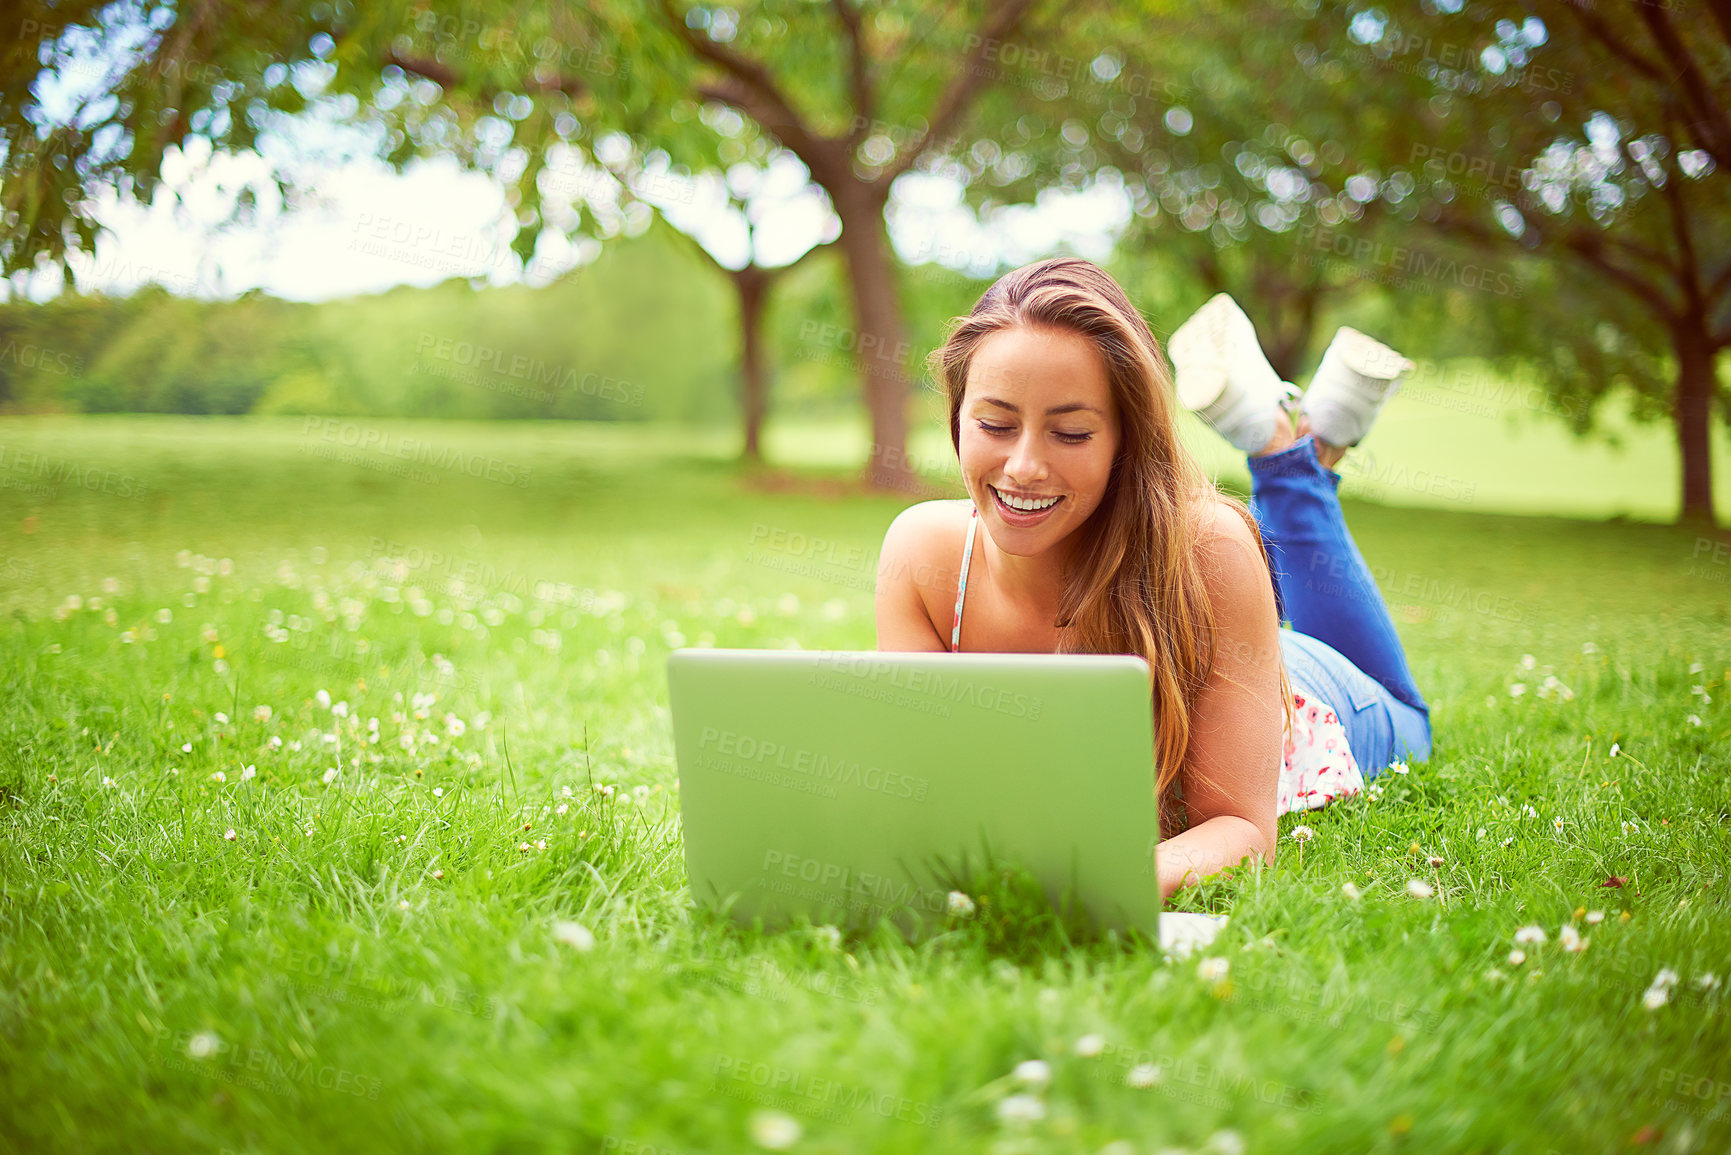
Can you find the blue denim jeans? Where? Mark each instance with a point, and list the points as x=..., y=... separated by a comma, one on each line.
x=1342, y=645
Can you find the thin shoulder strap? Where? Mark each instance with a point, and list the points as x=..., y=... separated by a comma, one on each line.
x=962, y=584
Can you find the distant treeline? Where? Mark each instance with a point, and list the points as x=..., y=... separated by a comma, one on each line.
x=646, y=332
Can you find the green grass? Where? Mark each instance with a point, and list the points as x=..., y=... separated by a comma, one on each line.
x=312, y=984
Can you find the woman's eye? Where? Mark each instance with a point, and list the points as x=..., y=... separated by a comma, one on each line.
x=1069, y=438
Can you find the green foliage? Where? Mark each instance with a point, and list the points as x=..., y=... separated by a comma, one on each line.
x=641, y=333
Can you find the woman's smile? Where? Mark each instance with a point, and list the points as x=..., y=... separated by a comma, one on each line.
x=1022, y=510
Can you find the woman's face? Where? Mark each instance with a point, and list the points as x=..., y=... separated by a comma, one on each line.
x=1037, y=423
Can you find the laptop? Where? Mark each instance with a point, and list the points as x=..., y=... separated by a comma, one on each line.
x=846, y=787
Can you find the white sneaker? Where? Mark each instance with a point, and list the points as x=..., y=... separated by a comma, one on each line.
x=1357, y=375
x=1220, y=372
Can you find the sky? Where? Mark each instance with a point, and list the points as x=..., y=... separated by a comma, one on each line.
x=356, y=227
x=353, y=226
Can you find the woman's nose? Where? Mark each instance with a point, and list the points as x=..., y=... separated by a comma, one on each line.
x=1026, y=464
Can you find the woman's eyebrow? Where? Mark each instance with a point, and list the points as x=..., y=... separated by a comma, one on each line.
x=1072, y=407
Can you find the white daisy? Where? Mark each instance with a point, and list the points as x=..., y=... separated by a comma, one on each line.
x=574, y=934
x=774, y=1130
x=1021, y=1109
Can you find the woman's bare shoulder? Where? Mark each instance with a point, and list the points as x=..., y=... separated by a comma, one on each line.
x=1233, y=562
x=929, y=525
x=1221, y=524
x=916, y=576
x=920, y=542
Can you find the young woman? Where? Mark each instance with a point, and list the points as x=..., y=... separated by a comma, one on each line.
x=1089, y=529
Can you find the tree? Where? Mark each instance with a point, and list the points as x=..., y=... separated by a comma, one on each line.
x=752, y=283
x=859, y=93
x=1230, y=165
x=1605, y=168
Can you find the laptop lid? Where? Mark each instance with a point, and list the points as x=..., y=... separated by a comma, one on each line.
x=841, y=785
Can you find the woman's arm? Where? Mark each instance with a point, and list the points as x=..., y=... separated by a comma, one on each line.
x=902, y=621
x=1232, y=769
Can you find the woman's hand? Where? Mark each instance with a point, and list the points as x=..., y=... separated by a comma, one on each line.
x=1206, y=849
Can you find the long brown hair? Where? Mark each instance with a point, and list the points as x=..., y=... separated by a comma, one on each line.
x=1133, y=585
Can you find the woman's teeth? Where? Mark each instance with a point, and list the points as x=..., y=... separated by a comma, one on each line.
x=1024, y=504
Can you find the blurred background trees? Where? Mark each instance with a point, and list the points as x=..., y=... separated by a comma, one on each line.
x=1535, y=184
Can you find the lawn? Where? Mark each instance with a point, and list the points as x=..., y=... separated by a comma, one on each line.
x=339, y=812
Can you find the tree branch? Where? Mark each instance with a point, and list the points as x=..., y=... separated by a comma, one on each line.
x=1722, y=16
x=1618, y=44
x=821, y=155
x=1689, y=269
x=1721, y=282
x=1712, y=128
x=956, y=99
x=450, y=80
x=1587, y=244
x=752, y=88
x=865, y=103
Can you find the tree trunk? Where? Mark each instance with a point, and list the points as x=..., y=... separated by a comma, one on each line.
x=752, y=287
x=1692, y=414
x=1294, y=323
x=880, y=342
